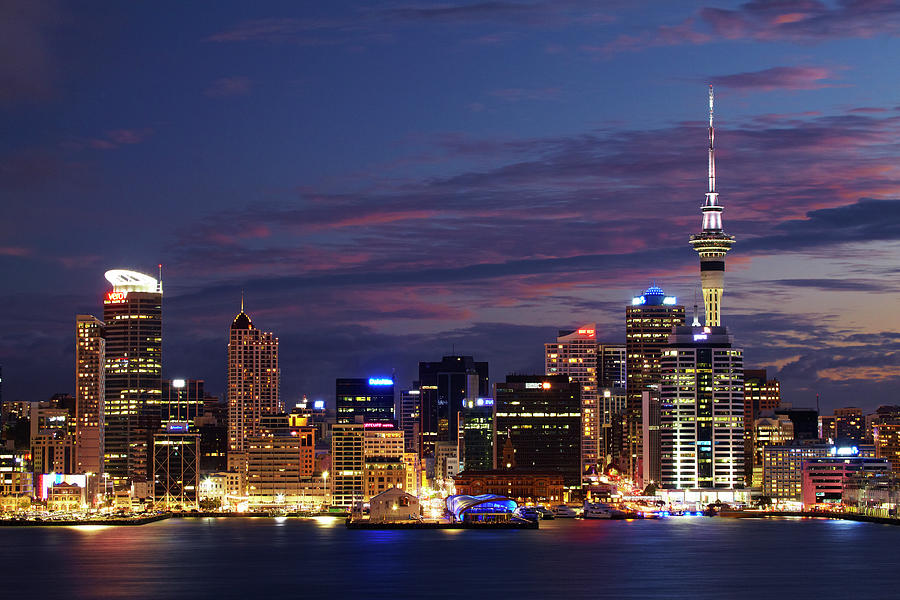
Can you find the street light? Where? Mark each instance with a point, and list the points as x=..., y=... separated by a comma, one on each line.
x=325, y=485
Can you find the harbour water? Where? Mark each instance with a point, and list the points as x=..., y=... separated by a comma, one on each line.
x=697, y=557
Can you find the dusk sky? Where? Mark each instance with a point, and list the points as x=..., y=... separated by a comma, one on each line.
x=391, y=181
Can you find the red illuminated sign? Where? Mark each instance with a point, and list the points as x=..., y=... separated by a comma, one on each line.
x=378, y=426
x=587, y=332
x=115, y=297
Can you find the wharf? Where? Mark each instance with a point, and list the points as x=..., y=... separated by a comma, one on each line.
x=765, y=514
x=363, y=524
x=73, y=522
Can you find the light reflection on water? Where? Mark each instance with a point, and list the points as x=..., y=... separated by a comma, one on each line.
x=674, y=558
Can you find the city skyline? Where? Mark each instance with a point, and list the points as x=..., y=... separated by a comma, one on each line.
x=370, y=234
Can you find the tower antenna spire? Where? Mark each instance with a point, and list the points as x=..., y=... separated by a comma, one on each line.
x=712, y=148
x=159, y=285
x=242, y=299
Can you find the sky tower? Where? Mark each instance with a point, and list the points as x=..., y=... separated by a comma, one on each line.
x=712, y=243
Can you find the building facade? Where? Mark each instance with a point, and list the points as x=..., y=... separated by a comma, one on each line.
x=132, y=313
x=702, y=411
x=371, y=398
x=537, y=422
x=648, y=323
x=443, y=387
x=176, y=468
x=90, y=393
x=253, y=385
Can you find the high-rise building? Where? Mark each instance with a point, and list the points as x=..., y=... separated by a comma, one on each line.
x=90, y=393
x=648, y=322
x=767, y=431
x=761, y=394
x=539, y=419
x=574, y=354
x=712, y=243
x=132, y=313
x=702, y=410
x=443, y=387
x=476, y=435
x=253, y=385
x=805, y=420
x=408, y=417
x=281, y=462
x=176, y=467
x=849, y=426
x=612, y=371
x=371, y=398
x=347, y=463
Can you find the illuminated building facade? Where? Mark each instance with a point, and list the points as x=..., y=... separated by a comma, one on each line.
x=347, y=463
x=280, y=464
x=767, y=431
x=539, y=418
x=476, y=434
x=648, y=323
x=521, y=485
x=90, y=393
x=712, y=243
x=783, y=467
x=823, y=479
x=575, y=355
x=409, y=418
x=176, y=467
x=761, y=394
x=132, y=313
x=849, y=426
x=887, y=440
x=182, y=400
x=443, y=387
x=53, y=451
x=702, y=410
x=253, y=385
x=371, y=398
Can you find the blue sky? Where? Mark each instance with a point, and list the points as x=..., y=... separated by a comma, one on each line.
x=388, y=180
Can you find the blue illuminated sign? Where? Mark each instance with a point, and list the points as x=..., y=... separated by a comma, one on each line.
x=319, y=405
x=380, y=381
x=485, y=402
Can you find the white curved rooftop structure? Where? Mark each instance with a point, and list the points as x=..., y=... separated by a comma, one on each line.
x=123, y=280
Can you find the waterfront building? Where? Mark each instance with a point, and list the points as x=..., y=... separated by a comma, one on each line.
x=409, y=418
x=539, y=418
x=393, y=504
x=90, y=393
x=648, y=323
x=523, y=485
x=16, y=479
x=66, y=497
x=132, y=313
x=176, y=467
x=823, y=479
x=53, y=451
x=413, y=465
x=443, y=387
x=371, y=398
x=702, y=410
x=783, y=467
x=280, y=462
x=476, y=434
x=650, y=437
x=253, y=385
x=347, y=463
x=446, y=461
x=761, y=394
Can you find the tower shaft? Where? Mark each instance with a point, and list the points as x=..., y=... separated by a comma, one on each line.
x=712, y=243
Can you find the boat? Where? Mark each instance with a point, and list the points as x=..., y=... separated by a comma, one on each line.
x=528, y=513
x=600, y=510
x=564, y=512
x=545, y=513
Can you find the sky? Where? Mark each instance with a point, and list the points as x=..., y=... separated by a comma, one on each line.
x=391, y=182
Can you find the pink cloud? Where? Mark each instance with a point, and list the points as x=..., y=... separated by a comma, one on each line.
x=789, y=78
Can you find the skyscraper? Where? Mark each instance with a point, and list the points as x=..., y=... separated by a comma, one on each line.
x=90, y=393
x=712, y=243
x=408, y=416
x=253, y=385
x=574, y=354
x=537, y=423
x=648, y=323
x=132, y=312
x=443, y=387
x=761, y=394
x=182, y=400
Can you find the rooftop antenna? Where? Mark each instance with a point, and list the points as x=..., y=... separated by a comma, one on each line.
x=159, y=283
x=242, y=299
